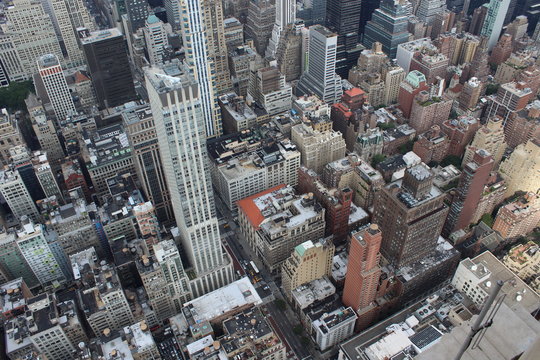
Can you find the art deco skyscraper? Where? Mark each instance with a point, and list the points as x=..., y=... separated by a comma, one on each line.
x=285, y=15
x=175, y=100
x=56, y=86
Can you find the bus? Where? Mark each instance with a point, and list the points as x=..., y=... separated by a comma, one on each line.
x=254, y=267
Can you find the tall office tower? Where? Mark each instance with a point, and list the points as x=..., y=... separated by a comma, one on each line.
x=46, y=176
x=429, y=9
x=510, y=99
x=12, y=263
x=321, y=78
x=260, y=22
x=53, y=78
x=474, y=176
x=70, y=15
x=21, y=162
x=489, y=137
x=388, y=25
x=521, y=169
x=366, y=11
x=217, y=48
x=343, y=18
x=289, y=52
x=107, y=59
x=172, y=9
x=139, y=125
x=177, y=282
x=411, y=214
x=17, y=195
x=47, y=137
x=310, y=261
x=285, y=16
x=175, y=99
x=494, y=21
x=502, y=51
x=199, y=20
x=363, y=270
x=45, y=257
x=137, y=13
x=156, y=39
x=31, y=34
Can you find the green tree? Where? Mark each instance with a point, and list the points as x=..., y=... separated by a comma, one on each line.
x=386, y=126
x=492, y=89
x=298, y=329
x=405, y=148
x=377, y=159
x=451, y=160
x=488, y=219
x=12, y=97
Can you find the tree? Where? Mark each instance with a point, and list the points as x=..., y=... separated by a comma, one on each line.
x=405, y=148
x=386, y=126
x=492, y=89
x=298, y=329
x=451, y=160
x=12, y=97
x=377, y=159
x=487, y=219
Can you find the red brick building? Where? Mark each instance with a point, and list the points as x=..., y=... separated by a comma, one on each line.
x=432, y=145
x=460, y=133
x=409, y=88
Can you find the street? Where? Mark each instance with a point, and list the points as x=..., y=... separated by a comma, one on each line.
x=282, y=321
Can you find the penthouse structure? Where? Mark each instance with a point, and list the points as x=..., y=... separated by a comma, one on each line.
x=271, y=223
x=247, y=163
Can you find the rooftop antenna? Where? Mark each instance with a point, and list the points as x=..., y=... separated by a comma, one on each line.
x=478, y=326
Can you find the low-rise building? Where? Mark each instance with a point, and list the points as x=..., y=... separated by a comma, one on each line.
x=332, y=328
x=524, y=260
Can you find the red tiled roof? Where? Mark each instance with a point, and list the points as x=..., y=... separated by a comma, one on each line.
x=248, y=206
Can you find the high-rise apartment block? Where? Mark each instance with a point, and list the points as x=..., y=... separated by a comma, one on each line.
x=363, y=271
x=511, y=98
x=47, y=137
x=489, y=137
x=523, y=126
x=175, y=99
x=138, y=123
x=310, y=260
x=433, y=66
x=501, y=52
x=107, y=59
x=470, y=94
x=494, y=21
x=388, y=25
x=521, y=169
x=320, y=78
x=471, y=184
x=50, y=72
x=519, y=217
x=410, y=213
x=428, y=110
x=318, y=148
x=271, y=221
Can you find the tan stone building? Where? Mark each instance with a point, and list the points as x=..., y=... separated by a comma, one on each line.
x=522, y=169
x=524, y=260
x=489, y=137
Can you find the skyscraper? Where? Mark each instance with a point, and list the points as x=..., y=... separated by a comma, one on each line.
x=343, y=18
x=321, y=78
x=471, y=184
x=428, y=10
x=285, y=15
x=494, y=21
x=199, y=23
x=17, y=195
x=410, y=213
x=177, y=106
x=388, y=26
x=56, y=86
x=260, y=22
x=363, y=270
x=137, y=12
x=107, y=59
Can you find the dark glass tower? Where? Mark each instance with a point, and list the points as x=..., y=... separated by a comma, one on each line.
x=343, y=18
x=388, y=25
x=107, y=59
x=366, y=11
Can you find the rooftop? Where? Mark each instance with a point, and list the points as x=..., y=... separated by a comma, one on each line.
x=223, y=300
x=106, y=145
x=316, y=290
x=101, y=35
